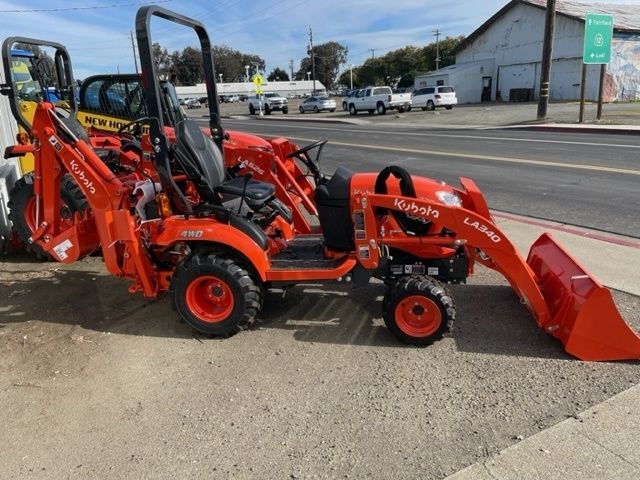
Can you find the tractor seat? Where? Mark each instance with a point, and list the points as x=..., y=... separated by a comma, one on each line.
x=202, y=161
x=256, y=191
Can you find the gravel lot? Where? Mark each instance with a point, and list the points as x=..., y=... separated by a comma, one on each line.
x=97, y=383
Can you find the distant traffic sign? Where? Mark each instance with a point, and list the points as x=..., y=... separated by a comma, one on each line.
x=598, y=33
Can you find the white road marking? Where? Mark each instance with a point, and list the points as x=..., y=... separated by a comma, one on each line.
x=446, y=135
x=493, y=158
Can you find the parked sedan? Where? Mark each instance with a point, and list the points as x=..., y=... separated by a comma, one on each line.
x=317, y=104
x=193, y=103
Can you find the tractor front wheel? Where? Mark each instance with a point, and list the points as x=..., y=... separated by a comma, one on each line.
x=418, y=310
x=215, y=295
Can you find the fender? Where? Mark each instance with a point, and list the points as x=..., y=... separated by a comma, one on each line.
x=177, y=229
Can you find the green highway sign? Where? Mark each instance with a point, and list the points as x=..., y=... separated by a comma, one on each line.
x=598, y=33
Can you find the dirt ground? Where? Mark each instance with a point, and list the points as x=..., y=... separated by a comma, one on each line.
x=98, y=383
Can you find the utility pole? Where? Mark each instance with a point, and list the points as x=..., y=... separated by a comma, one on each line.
x=373, y=52
x=437, y=34
x=351, y=75
x=547, y=51
x=291, y=69
x=313, y=59
x=133, y=47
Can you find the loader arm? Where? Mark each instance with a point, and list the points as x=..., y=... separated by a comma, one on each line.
x=562, y=295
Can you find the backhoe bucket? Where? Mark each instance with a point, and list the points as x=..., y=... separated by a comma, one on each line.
x=583, y=314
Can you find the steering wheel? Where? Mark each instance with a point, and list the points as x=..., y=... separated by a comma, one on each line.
x=134, y=128
x=312, y=163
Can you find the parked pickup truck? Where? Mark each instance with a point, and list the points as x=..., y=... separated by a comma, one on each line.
x=270, y=102
x=379, y=99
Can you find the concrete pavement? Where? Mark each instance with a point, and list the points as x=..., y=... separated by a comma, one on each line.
x=615, y=115
x=601, y=442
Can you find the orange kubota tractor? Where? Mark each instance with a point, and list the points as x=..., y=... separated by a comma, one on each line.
x=176, y=216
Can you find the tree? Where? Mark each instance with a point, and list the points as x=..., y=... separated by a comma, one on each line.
x=278, y=74
x=162, y=59
x=188, y=66
x=43, y=62
x=231, y=63
x=328, y=59
x=398, y=68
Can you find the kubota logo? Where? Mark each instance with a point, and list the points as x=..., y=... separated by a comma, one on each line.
x=415, y=210
x=252, y=166
x=495, y=238
x=75, y=168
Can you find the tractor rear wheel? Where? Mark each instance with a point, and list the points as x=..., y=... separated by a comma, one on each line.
x=215, y=295
x=23, y=208
x=418, y=310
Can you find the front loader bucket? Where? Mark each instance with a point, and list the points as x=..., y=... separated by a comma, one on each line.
x=583, y=314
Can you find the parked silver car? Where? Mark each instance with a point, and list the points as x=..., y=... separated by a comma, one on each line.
x=317, y=104
x=193, y=103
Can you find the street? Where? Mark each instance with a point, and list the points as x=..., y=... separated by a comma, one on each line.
x=581, y=179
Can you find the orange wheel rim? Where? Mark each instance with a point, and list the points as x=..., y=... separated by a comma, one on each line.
x=30, y=210
x=418, y=316
x=210, y=299
x=30, y=213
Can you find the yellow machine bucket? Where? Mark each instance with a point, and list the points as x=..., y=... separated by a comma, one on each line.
x=583, y=315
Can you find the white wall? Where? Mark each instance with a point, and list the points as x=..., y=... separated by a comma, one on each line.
x=8, y=128
x=515, y=42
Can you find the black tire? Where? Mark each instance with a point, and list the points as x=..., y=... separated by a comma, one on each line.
x=315, y=109
x=409, y=108
x=332, y=110
x=267, y=109
x=192, y=295
x=22, y=193
x=400, y=109
x=344, y=106
x=371, y=112
x=431, y=106
x=285, y=110
x=300, y=109
x=424, y=109
x=429, y=297
x=448, y=107
x=381, y=109
x=252, y=110
x=352, y=109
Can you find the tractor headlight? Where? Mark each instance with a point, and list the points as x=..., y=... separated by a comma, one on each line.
x=449, y=198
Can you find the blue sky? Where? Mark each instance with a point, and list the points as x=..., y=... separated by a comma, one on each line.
x=98, y=38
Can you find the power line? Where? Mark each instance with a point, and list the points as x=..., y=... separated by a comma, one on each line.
x=93, y=7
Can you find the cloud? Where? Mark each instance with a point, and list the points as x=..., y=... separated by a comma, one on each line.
x=99, y=40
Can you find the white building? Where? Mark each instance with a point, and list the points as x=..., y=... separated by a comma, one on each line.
x=9, y=169
x=284, y=88
x=502, y=58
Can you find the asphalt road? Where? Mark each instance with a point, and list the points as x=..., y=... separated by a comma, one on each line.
x=580, y=179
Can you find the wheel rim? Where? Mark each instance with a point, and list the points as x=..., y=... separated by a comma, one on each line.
x=418, y=316
x=210, y=299
x=30, y=214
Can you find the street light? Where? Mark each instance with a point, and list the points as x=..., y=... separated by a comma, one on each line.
x=220, y=75
x=308, y=76
x=246, y=73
